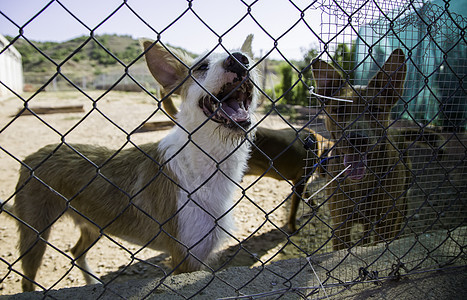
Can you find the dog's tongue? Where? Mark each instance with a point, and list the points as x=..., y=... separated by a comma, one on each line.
x=235, y=110
x=357, y=162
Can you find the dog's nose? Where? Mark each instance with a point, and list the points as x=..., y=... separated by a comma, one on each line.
x=236, y=63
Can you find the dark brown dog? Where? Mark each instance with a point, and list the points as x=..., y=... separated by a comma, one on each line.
x=280, y=154
x=368, y=201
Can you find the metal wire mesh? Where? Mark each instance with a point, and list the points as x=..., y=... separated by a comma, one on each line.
x=398, y=210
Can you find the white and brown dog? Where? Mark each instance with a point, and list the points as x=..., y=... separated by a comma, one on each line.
x=175, y=195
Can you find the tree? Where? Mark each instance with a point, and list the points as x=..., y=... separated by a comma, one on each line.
x=130, y=53
x=344, y=59
x=303, y=93
x=295, y=88
x=100, y=54
x=286, y=89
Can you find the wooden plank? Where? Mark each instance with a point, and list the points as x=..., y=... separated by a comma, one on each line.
x=53, y=109
x=156, y=125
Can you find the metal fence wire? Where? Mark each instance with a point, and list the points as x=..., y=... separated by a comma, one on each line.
x=356, y=175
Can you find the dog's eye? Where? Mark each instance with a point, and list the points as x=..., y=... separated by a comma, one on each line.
x=203, y=67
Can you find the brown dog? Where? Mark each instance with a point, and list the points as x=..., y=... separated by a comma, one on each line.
x=281, y=154
x=368, y=201
x=175, y=195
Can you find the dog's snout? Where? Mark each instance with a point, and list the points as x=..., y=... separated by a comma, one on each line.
x=236, y=63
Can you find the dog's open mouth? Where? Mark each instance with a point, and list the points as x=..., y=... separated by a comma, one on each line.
x=358, y=165
x=231, y=108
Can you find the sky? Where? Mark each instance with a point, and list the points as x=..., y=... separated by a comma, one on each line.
x=196, y=29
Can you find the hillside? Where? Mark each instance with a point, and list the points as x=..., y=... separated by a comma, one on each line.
x=83, y=53
x=86, y=63
x=79, y=58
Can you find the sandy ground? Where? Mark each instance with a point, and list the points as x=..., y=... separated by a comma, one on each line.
x=110, y=259
x=260, y=215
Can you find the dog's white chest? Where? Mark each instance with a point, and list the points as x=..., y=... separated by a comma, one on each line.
x=207, y=180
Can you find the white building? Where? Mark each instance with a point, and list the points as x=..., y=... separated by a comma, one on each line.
x=11, y=69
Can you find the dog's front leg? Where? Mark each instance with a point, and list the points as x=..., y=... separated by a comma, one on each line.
x=183, y=261
x=190, y=255
x=200, y=232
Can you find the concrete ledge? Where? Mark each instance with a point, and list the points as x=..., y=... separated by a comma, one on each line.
x=299, y=278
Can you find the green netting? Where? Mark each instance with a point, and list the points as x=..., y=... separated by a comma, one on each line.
x=433, y=37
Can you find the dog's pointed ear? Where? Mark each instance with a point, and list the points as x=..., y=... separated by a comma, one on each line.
x=327, y=79
x=169, y=68
x=246, y=47
x=391, y=77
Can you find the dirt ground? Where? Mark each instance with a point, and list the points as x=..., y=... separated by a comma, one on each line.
x=260, y=225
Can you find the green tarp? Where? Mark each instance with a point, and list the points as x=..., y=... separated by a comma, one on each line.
x=433, y=37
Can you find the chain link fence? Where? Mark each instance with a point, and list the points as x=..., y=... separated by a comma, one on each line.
x=360, y=151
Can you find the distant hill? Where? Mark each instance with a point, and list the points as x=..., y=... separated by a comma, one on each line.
x=86, y=56
x=79, y=57
x=45, y=56
x=85, y=63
